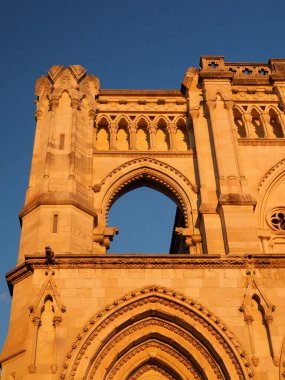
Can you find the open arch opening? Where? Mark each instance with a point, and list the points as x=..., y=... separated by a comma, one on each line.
x=145, y=219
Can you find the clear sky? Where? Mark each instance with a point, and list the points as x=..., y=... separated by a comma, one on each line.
x=127, y=44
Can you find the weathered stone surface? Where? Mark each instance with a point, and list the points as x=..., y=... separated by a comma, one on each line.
x=214, y=308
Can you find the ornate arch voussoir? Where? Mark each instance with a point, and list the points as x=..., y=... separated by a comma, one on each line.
x=159, y=164
x=175, y=302
x=154, y=171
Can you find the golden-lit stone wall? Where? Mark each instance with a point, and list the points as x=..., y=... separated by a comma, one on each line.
x=214, y=307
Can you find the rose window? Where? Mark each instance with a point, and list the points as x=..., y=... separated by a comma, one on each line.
x=277, y=220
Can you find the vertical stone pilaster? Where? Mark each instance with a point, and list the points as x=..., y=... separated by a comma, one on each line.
x=213, y=239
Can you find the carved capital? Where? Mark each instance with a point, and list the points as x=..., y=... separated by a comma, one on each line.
x=75, y=103
x=53, y=103
x=171, y=127
x=57, y=319
x=229, y=104
x=248, y=319
x=92, y=115
x=268, y=319
x=211, y=104
x=113, y=127
x=132, y=127
x=152, y=128
x=36, y=321
x=195, y=113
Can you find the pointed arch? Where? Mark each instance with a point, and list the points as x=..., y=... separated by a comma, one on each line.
x=142, y=119
x=152, y=173
x=48, y=291
x=276, y=122
x=182, y=135
x=268, y=184
x=102, y=134
x=136, y=329
x=123, y=134
x=257, y=122
x=239, y=122
x=142, y=134
x=162, y=134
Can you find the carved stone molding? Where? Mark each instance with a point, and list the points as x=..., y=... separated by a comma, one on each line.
x=262, y=142
x=131, y=154
x=271, y=172
x=148, y=159
x=140, y=261
x=172, y=300
x=150, y=367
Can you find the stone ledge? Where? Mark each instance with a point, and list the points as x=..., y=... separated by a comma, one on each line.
x=141, y=261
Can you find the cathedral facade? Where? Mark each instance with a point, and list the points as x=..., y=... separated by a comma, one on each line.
x=211, y=308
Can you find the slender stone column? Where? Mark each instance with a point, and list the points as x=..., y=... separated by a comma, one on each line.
x=265, y=118
x=37, y=322
x=152, y=132
x=91, y=142
x=211, y=104
x=75, y=105
x=248, y=320
x=113, y=134
x=171, y=128
x=53, y=104
x=247, y=118
x=133, y=130
x=229, y=104
x=268, y=321
x=56, y=322
x=281, y=118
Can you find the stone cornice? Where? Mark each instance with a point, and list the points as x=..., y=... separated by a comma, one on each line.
x=258, y=142
x=58, y=198
x=142, y=261
x=137, y=153
x=124, y=92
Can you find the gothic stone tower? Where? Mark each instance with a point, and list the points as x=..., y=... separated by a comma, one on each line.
x=214, y=307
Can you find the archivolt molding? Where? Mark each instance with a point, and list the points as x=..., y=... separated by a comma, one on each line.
x=155, y=324
x=159, y=298
x=266, y=186
x=150, y=160
x=151, y=367
x=280, y=166
x=152, y=170
x=173, y=355
x=153, y=176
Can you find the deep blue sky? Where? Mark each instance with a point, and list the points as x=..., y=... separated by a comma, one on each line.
x=127, y=44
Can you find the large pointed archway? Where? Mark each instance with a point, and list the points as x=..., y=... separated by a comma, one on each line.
x=159, y=332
